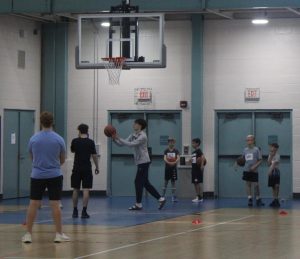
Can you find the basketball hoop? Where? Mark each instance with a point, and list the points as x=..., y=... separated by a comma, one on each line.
x=114, y=67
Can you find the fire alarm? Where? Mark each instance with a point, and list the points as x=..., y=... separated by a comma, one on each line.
x=183, y=104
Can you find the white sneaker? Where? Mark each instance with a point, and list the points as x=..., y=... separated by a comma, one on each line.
x=61, y=206
x=196, y=200
x=61, y=238
x=27, y=238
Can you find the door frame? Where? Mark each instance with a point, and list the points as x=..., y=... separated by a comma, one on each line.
x=109, y=142
x=1, y=143
x=253, y=111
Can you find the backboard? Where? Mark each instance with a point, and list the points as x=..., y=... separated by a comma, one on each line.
x=139, y=37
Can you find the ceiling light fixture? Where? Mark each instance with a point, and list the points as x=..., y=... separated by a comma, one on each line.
x=105, y=24
x=260, y=21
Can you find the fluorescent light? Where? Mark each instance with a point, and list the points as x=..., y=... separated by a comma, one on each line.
x=260, y=21
x=105, y=24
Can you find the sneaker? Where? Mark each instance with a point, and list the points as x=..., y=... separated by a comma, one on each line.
x=27, y=238
x=250, y=202
x=59, y=238
x=75, y=213
x=135, y=207
x=84, y=215
x=162, y=202
x=276, y=203
x=174, y=199
x=61, y=206
x=197, y=199
x=272, y=204
x=259, y=203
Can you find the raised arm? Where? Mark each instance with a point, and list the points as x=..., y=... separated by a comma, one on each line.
x=133, y=142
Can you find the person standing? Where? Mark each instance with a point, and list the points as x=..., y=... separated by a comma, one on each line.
x=47, y=150
x=274, y=174
x=171, y=158
x=84, y=148
x=197, y=170
x=253, y=159
x=138, y=141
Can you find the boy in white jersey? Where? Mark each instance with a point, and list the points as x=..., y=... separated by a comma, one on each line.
x=253, y=159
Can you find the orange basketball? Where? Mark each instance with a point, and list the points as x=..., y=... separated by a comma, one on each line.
x=171, y=159
x=109, y=130
x=241, y=161
x=199, y=161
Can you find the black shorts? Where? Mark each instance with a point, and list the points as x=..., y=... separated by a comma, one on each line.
x=274, y=178
x=84, y=178
x=197, y=176
x=250, y=176
x=171, y=173
x=53, y=185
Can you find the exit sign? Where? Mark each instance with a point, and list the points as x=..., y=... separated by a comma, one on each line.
x=252, y=94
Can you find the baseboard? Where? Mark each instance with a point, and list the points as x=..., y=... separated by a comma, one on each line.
x=208, y=195
x=92, y=193
x=296, y=195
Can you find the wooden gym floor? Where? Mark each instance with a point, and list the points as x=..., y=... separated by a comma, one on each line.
x=214, y=229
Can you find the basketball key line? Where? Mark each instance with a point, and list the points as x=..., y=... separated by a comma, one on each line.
x=164, y=237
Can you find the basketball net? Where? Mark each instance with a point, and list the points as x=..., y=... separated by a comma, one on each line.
x=114, y=66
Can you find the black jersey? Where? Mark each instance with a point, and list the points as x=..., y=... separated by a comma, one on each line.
x=83, y=149
x=171, y=154
x=196, y=153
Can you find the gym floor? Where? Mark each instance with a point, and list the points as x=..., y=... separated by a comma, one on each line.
x=224, y=228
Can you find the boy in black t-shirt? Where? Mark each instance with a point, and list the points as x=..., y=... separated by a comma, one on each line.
x=171, y=157
x=197, y=170
x=84, y=148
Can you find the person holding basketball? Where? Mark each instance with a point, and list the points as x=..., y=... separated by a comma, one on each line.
x=47, y=151
x=138, y=141
x=171, y=157
x=197, y=169
x=253, y=158
x=84, y=148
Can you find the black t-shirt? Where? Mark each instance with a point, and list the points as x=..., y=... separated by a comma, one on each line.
x=171, y=154
x=83, y=149
x=197, y=153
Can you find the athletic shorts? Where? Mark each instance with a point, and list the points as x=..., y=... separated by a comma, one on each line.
x=171, y=173
x=250, y=176
x=53, y=185
x=81, y=178
x=274, y=178
x=197, y=176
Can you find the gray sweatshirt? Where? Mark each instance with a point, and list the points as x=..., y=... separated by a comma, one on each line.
x=139, y=143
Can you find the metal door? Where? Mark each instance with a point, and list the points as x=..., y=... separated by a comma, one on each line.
x=232, y=131
x=18, y=128
x=160, y=127
x=123, y=169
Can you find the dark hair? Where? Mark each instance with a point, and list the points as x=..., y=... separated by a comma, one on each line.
x=141, y=122
x=46, y=119
x=275, y=145
x=197, y=141
x=83, y=128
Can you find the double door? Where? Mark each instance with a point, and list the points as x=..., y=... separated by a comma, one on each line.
x=268, y=127
x=18, y=128
x=161, y=125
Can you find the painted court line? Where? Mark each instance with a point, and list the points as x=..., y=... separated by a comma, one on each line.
x=164, y=237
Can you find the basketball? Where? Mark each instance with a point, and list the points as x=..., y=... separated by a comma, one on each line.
x=109, y=130
x=171, y=159
x=241, y=161
x=199, y=161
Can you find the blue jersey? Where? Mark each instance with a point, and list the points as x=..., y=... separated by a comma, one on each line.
x=46, y=147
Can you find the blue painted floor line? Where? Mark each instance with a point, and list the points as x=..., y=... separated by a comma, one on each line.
x=113, y=211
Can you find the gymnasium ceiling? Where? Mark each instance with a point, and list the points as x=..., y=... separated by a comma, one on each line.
x=67, y=10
